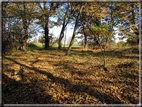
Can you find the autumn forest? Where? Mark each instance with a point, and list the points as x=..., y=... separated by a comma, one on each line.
x=90, y=68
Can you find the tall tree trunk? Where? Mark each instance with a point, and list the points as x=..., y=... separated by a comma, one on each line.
x=65, y=38
x=25, y=25
x=61, y=35
x=75, y=28
x=4, y=20
x=63, y=28
x=85, y=43
x=64, y=42
x=46, y=29
x=46, y=36
x=24, y=41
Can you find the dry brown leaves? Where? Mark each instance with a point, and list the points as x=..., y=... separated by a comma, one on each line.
x=50, y=77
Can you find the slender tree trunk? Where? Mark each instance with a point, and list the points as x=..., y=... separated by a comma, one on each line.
x=46, y=36
x=75, y=28
x=63, y=28
x=61, y=35
x=103, y=51
x=85, y=43
x=65, y=38
x=71, y=43
x=60, y=45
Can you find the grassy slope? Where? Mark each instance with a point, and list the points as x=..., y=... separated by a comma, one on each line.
x=51, y=77
x=33, y=46
x=54, y=46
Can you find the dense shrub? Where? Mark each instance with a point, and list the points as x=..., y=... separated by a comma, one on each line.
x=9, y=46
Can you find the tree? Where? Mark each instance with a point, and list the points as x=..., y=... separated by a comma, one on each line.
x=75, y=28
x=65, y=22
x=65, y=37
x=52, y=39
x=46, y=12
x=85, y=34
x=92, y=13
x=19, y=17
x=101, y=31
x=128, y=27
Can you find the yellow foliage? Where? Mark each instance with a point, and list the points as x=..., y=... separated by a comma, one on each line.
x=54, y=95
x=77, y=7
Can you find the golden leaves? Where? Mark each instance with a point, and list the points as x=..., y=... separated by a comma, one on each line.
x=77, y=7
x=53, y=84
x=54, y=95
x=68, y=94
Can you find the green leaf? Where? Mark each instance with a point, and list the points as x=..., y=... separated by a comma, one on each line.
x=85, y=96
x=78, y=99
x=28, y=80
x=16, y=72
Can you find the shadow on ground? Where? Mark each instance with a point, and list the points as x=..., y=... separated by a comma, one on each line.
x=37, y=97
x=14, y=92
x=110, y=53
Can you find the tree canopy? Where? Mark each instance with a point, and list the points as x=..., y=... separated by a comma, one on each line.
x=23, y=20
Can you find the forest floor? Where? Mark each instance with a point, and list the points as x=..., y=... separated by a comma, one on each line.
x=50, y=77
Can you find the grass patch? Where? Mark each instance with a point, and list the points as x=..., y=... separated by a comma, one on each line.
x=35, y=46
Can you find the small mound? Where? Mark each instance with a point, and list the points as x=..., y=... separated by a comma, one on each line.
x=32, y=45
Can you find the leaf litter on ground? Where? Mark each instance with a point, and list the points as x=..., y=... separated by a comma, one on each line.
x=54, y=78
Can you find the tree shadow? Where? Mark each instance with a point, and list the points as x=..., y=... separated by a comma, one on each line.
x=33, y=47
x=109, y=53
x=127, y=73
x=127, y=65
x=81, y=53
x=14, y=92
x=103, y=97
x=69, y=65
x=133, y=50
